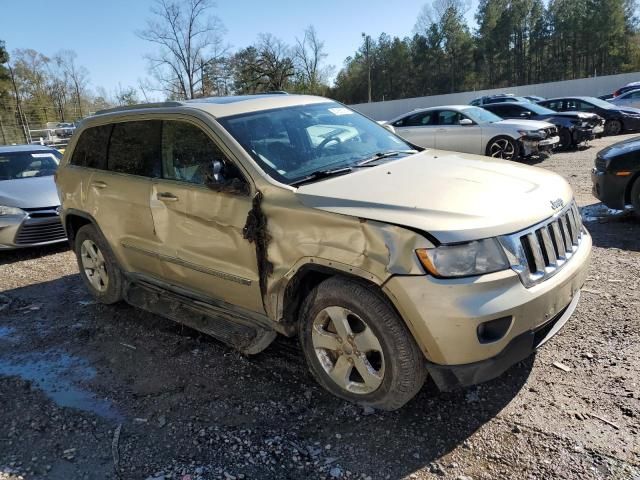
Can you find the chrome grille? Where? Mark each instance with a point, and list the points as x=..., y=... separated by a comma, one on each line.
x=541, y=251
x=40, y=230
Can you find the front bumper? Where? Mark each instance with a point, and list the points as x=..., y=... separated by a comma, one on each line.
x=25, y=231
x=450, y=377
x=586, y=134
x=609, y=189
x=444, y=314
x=531, y=146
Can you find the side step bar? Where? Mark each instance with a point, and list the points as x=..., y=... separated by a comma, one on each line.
x=233, y=330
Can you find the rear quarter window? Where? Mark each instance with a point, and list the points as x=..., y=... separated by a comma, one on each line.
x=91, y=148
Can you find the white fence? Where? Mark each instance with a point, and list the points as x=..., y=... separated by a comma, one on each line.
x=595, y=86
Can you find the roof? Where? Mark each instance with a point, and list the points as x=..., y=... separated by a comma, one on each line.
x=227, y=106
x=24, y=148
x=571, y=97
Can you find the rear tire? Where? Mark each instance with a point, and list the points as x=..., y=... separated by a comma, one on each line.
x=503, y=147
x=612, y=127
x=357, y=347
x=98, y=267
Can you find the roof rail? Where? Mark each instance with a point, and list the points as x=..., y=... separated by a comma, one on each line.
x=139, y=106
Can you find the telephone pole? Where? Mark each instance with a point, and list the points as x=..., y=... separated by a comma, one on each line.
x=367, y=45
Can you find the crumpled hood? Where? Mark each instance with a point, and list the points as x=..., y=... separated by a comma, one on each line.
x=453, y=196
x=528, y=124
x=33, y=192
x=580, y=115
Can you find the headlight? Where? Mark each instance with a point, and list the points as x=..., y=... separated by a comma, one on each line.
x=533, y=133
x=463, y=260
x=11, y=211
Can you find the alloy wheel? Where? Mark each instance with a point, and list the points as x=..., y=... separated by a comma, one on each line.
x=502, y=148
x=94, y=266
x=348, y=350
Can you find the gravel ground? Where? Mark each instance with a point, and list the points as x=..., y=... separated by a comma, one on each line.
x=93, y=391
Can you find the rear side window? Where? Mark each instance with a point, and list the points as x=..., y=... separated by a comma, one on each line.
x=91, y=149
x=134, y=148
x=416, y=120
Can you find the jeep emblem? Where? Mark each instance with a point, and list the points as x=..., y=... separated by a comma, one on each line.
x=556, y=204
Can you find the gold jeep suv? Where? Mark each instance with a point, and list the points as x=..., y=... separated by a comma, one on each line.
x=245, y=217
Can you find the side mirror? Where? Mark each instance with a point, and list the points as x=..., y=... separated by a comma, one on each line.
x=465, y=122
x=389, y=127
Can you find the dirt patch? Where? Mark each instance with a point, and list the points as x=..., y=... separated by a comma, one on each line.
x=189, y=407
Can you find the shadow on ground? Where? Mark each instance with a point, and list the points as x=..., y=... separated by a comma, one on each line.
x=181, y=382
x=21, y=254
x=612, y=228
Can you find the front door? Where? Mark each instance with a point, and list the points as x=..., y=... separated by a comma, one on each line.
x=200, y=206
x=450, y=135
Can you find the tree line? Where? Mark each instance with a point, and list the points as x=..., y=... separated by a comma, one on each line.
x=514, y=42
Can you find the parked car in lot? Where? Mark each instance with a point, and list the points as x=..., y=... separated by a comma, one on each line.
x=534, y=98
x=629, y=98
x=616, y=119
x=626, y=88
x=64, y=130
x=573, y=127
x=616, y=175
x=29, y=205
x=228, y=214
x=469, y=129
x=497, y=98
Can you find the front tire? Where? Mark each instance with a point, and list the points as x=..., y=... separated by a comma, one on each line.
x=357, y=347
x=566, y=140
x=635, y=197
x=503, y=147
x=98, y=267
x=612, y=127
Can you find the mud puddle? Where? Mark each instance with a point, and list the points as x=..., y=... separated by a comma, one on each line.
x=58, y=375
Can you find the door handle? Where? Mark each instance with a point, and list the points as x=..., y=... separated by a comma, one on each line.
x=98, y=184
x=166, y=197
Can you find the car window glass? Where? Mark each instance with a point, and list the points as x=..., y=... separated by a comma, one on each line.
x=584, y=106
x=634, y=95
x=135, y=148
x=189, y=155
x=38, y=163
x=91, y=148
x=449, y=117
x=418, y=119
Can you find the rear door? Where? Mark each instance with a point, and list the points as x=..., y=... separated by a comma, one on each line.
x=199, y=210
x=450, y=135
x=118, y=196
x=418, y=128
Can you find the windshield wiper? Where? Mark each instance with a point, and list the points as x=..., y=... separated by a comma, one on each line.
x=321, y=174
x=381, y=155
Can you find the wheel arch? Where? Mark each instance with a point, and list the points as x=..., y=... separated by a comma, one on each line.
x=627, y=192
x=305, y=277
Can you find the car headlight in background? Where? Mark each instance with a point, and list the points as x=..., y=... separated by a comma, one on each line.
x=11, y=211
x=465, y=259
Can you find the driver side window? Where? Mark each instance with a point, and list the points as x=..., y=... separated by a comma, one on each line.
x=189, y=155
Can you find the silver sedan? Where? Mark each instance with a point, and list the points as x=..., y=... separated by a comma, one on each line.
x=468, y=129
x=29, y=203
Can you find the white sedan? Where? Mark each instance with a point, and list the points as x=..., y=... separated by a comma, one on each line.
x=468, y=129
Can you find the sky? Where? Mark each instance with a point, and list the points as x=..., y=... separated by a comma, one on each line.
x=102, y=32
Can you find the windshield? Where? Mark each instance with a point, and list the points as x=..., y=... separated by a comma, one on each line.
x=480, y=115
x=16, y=165
x=539, y=109
x=293, y=142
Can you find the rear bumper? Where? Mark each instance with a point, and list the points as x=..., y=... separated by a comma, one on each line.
x=450, y=377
